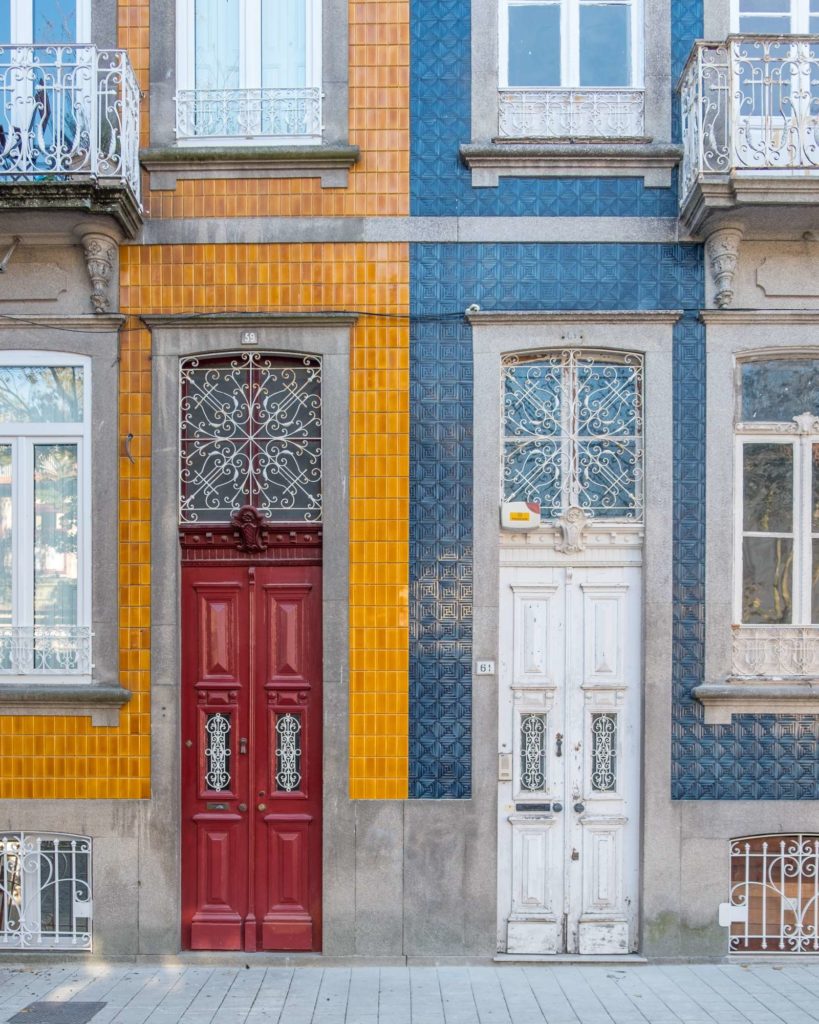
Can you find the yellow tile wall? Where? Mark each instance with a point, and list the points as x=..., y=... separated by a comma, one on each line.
x=379, y=126
x=375, y=280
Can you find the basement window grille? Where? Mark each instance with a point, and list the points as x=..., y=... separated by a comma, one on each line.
x=774, y=906
x=45, y=891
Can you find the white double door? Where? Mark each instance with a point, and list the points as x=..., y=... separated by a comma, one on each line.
x=568, y=767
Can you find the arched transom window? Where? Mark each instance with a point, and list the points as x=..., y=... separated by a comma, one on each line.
x=250, y=434
x=573, y=434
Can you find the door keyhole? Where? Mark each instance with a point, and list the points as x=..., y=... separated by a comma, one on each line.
x=559, y=744
x=243, y=745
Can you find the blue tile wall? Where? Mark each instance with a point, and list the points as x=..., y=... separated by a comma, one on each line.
x=440, y=110
x=444, y=280
x=758, y=757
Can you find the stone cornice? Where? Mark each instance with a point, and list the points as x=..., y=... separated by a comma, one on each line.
x=93, y=323
x=101, y=703
x=99, y=198
x=574, y=316
x=760, y=696
x=761, y=315
x=313, y=319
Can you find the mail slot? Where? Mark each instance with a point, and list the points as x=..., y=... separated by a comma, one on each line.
x=533, y=807
x=217, y=807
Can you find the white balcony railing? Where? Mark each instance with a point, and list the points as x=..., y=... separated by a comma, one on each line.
x=570, y=113
x=45, y=650
x=750, y=105
x=248, y=114
x=68, y=113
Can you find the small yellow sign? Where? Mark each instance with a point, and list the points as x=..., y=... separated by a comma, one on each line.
x=519, y=516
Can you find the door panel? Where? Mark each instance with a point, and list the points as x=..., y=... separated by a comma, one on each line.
x=251, y=756
x=569, y=688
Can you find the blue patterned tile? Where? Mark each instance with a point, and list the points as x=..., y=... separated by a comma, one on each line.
x=440, y=111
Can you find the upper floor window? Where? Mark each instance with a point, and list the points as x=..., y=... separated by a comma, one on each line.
x=570, y=69
x=776, y=17
x=575, y=43
x=249, y=69
x=45, y=610
x=573, y=426
x=778, y=480
x=44, y=21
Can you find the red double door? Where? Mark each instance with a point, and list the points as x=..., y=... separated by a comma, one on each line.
x=251, y=756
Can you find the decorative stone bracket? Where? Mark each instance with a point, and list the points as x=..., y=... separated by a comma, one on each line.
x=570, y=540
x=722, y=250
x=100, y=253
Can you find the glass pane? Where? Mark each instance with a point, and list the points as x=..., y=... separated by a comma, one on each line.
x=776, y=390
x=816, y=487
x=604, y=752
x=765, y=25
x=216, y=42
x=767, y=488
x=5, y=555
x=55, y=21
x=607, y=477
x=813, y=27
x=41, y=394
x=55, y=535
x=534, y=45
x=608, y=399
x=532, y=472
x=533, y=752
x=5, y=21
x=765, y=6
x=767, y=570
x=814, y=618
x=532, y=399
x=217, y=752
x=605, y=44
x=284, y=45
x=288, y=753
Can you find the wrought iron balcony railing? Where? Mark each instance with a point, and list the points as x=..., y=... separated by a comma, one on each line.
x=571, y=113
x=68, y=113
x=249, y=114
x=750, y=106
x=45, y=650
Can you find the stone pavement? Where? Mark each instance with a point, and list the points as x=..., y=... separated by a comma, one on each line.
x=502, y=994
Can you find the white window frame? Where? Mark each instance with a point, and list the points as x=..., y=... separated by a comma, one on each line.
x=22, y=22
x=570, y=43
x=799, y=14
x=250, y=57
x=22, y=437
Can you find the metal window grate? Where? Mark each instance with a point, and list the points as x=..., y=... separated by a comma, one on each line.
x=45, y=891
x=775, y=894
x=573, y=432
x=250, y=434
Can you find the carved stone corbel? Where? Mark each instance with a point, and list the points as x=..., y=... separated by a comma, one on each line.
x=722, y=249
x=807, y=423
x=100, y=253
x=571, y=524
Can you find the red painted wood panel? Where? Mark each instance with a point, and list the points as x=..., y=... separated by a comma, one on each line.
x=251, y=756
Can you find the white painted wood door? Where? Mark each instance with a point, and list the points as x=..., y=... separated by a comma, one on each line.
x=569, y=686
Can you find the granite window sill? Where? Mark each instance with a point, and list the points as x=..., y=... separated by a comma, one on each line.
x=538, y=158
x=168, y=164
x=101, y=702
x=758, y=695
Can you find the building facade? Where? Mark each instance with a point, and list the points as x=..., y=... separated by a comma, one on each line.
x=409, y=430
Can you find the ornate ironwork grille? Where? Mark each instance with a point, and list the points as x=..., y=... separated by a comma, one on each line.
x=573, y=433
x=533, y=752
x=775, y=894
x=604, y=752
x=250, y=434
x=217, y=752
x=288, y=752
x=45, y=891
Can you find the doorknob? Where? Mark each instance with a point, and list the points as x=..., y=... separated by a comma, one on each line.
x=243, y=745
x=262, y=807
x=579, y=807
x=557, y=807
x=242, y=808
x=559, y=744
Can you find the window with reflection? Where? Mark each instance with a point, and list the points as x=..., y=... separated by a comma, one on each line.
x=44, y=596
x=778, y=477
x=575, y=43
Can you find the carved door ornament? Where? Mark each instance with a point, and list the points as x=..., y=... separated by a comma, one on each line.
x=572, y=524
x=251, y=529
